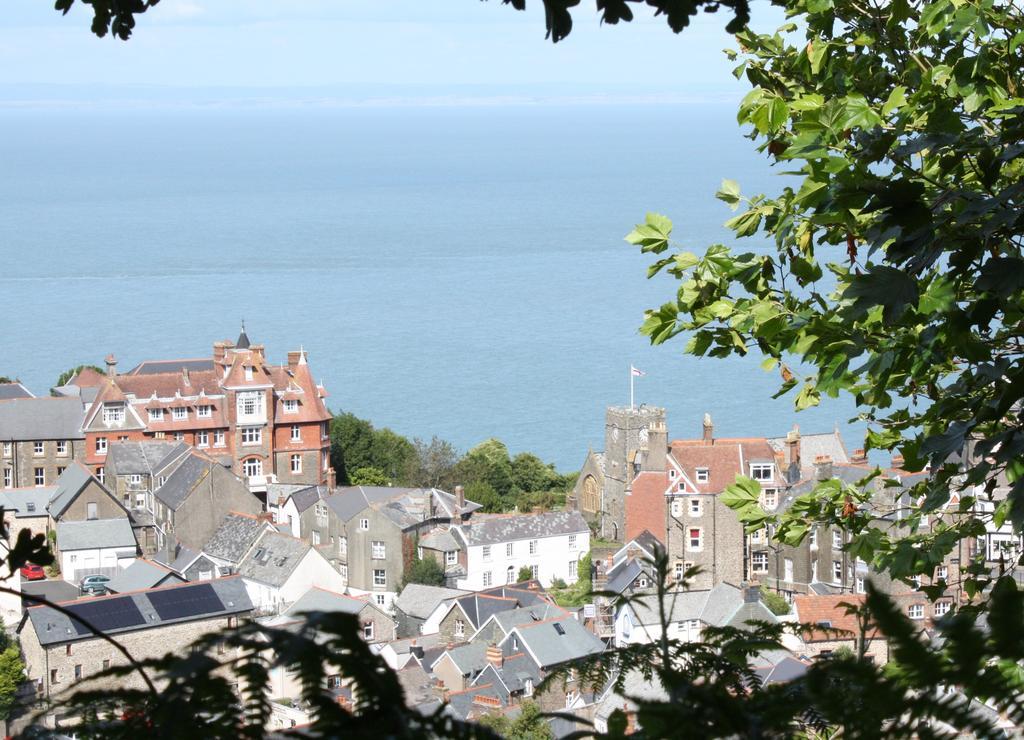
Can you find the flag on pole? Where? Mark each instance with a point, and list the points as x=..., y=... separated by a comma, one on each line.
x=636, y=373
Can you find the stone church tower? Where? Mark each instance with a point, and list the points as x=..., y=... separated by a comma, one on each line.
x=634, y=440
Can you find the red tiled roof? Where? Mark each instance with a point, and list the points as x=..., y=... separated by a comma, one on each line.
x=830, y=609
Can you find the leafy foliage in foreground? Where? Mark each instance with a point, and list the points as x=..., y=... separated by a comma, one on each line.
x=117, y=17
x=892, y=268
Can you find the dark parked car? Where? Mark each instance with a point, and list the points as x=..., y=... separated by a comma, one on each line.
x=32, y=572
x=96, y=585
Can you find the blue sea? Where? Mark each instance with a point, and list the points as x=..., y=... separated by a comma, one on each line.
x=451, y=270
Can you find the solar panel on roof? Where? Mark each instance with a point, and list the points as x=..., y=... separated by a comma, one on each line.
x=185, y=601
x=107, y=614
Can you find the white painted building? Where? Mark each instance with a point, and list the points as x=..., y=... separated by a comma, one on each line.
x=278, y=569
x=94, y=546
x=497, y=547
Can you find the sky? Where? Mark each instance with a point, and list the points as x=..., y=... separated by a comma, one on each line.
x=355, y=50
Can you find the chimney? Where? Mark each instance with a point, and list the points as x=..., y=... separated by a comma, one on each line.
x=460, y=498
x=495, y=656
x=185, y=377
x=751, y=594
x=111, y=365
x=657, y=447
x=823, y=467
x=219, y=350
x=293, y=359
x=859, y=457
x=793, y=444
x=709, y=430
x=332, y=478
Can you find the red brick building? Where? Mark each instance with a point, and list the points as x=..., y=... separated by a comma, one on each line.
x=266, y=422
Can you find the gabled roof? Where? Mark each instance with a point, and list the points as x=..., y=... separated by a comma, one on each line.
x=235, y=535
x=24, y=419
x=184, y=479
x=556, y=641
x=14, y=390
x=71, y=482
x=321, y=600
x=507, y=620
x=306, y=497
x=720, y=606
x=496, y=529
x=468, y=658
x=273, y=558
x=830, y=611
x=143, y=458
x=512, y=675
x=94, y=534
x=420, y=601
x=439, y=539
x=141, y=574
x=141, y=610
x=623, y=574
x=26, y=502
x=406, y=507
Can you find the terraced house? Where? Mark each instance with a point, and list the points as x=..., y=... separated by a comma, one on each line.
x=266, y=422
x=39, y=437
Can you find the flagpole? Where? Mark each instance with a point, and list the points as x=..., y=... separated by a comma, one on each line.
x=631, y=387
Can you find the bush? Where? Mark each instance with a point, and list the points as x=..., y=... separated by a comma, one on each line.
x=775, y=603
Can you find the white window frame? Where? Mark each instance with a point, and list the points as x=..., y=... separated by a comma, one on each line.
x=290, y=406
x=8, y=477
x=368, y=629
x=837, y=539
x=113, y=413
x=487, y=578
x=762, y=471
x=574, y=568
x=378, y=550
x=295, y=463
x=204, y=412
x=771, y=498
x=508, y=549
x=485, y=553
x=250, y=406
x=252, y=463
x=759, y=562
x=38, y=448
x=451, y=557
x=252, y=436
x=696, y=507
x=218, y=438
x=915, y=611
x=676, y=507
x=156, y=414
x=364, y=525
x=8, y=449
x=101, y=445
x=678, y=572
x=942, y=608
x=296, y=433
x=202, y=438
x=460, y=628
x=572, y=542
x=179, y=413
x=941, y=573
x=837, y=571
x=533, y=547
x=703, y=475
x=510, y=574
x=39, y=476
x=62, y=448
x=380, y=578
x=135, y=479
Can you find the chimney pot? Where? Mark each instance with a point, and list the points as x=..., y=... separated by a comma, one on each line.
x=495, y=656
x=111, y=364
x=823, y=467
x=293, y=358
x=709, y=430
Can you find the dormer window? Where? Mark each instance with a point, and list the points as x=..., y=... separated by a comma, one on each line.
x=248, y=372
x=291, y=406
x=179, y=413
x=156, y=414
x=761, y=471
x=113, y=413
x=204, y=412
x=703, y=475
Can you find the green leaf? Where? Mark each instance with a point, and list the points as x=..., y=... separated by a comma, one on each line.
x=897, y=99
x=883, y=286
x=730, y=193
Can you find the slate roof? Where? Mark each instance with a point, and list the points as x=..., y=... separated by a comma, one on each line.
x=52, y=627
x=49, y=417
x=180, y=483
x=14, y=390
x=19, y=499
x=69, y=484
x=420, y=601
x=141, y=574
x=496, y=529
x=404, y=506
x=149, y=367
x=557, y=641
x=417, y=688
x=439, y=539
x=469, y=658
x=143, y=458
x=306, y=497
x=511, y=676
x=787, y=669
x=508, y=620
x=829, y=444
x=273, y=558
x=721, y=606
x=234, y=537
x=623, y=574
x=479, y=606
x=94, y=533
x=322, y=600
x=650, y=544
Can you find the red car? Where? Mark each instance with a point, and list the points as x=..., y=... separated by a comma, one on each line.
x=32, y=572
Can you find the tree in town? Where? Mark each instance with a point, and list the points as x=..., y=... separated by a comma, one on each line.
x=356, y=443
x=12, y=671
x=65, y=377
x=434, y=463
x=369, y=477
x=5, y=379
x=530, y=474
x=483, y=493
x=525, y=574
x=529, y=723
x=489, y=463
x=427, y=571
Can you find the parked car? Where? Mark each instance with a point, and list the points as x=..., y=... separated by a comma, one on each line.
x=95, y=585
x=32, y=572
